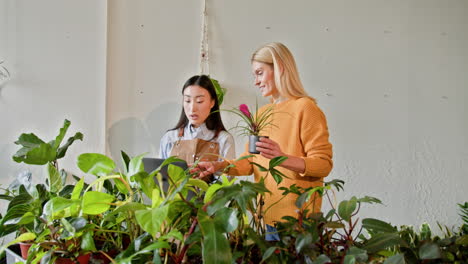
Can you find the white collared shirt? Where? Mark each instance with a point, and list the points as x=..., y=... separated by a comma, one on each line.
x=224, y=139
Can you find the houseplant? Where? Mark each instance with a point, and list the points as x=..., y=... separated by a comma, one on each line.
x=26, y=200
x=252, y=125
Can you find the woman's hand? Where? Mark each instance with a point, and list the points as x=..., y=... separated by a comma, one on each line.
x=203, y=169
x=269, y=148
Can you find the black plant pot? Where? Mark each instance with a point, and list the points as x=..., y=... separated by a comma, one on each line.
x=252, y=140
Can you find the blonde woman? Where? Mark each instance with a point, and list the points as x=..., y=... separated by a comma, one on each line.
x=299, y=132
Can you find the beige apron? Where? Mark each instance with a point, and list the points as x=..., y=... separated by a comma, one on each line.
x=195, y=149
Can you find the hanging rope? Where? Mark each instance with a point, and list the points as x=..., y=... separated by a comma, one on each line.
x=204, y=49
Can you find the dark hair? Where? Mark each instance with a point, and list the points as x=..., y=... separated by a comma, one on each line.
x=213, y=121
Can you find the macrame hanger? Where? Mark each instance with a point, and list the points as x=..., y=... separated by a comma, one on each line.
x=204, y=49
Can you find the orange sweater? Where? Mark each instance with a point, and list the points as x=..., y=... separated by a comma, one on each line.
x=302, y=132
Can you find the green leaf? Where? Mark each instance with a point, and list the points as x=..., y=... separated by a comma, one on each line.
x=305, y=197
x=55, y=181
x=377, y=226
x=29, y=140
x=260, y=167
x=382, y=241
x=425, y=231
x=77, y=189
x=96, y=202
x=136, y=165
x=63, y=150
x=322, y=259
x=396, y=259
x=87, y=242
x=129, y=207
x=176, y=173
x=211, y=192
x=21, y=238
x=346, y=209
x=151, y=220
x=276, y=161
x=215, y=246
x=359, y=254
x=220, y=91
x=227, y=220
x=15, y=213
x=463, y=240
x=57, y=204
x=146, y=182
x=369, y=199
x=40, y=155
x=349, y=259
x=429, y=250
x=334, y=225
x=96, y=164
x=268, y=253
x=174, y=234
x=119, y=183
x=303, y=241
x=61, y=135
x=198, y=183
x=125, y=161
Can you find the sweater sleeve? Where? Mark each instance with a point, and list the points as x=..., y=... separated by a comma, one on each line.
x=241, y=167
x=314, y=136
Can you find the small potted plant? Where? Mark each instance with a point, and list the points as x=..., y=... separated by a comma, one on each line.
x=254, y=124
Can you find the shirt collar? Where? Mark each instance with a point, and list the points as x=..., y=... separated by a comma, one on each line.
x=194, y=131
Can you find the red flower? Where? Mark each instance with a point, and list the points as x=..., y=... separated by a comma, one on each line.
x=245, y=110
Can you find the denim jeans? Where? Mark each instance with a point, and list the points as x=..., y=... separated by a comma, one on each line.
x=271, y=233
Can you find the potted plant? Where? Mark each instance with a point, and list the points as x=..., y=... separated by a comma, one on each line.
x=253, y=124
x=26, y=201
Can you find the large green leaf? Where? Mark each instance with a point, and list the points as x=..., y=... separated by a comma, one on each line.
x=96, y=202
x=96, y=164
x=382, y=241
x=215, y=246
x=15, y=213
x=176, y=173
x=55, y=180
x=429, y=250
x=346, y=208
x=38, y=155
x=57, y=204
x=396, y=259
x=151, y=220
x=29, y=140
x=226, y=219
x=377, y=226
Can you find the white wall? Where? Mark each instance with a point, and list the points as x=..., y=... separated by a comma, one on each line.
x=56, y=53
x=389, y=75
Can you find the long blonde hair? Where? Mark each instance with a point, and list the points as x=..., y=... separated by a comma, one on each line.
x=287, y=79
